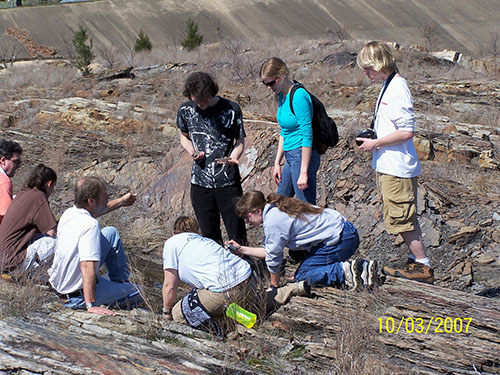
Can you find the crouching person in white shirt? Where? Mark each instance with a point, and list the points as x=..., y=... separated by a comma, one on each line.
x=82, y=248
x=219, y=278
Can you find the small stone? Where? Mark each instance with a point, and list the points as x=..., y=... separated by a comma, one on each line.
x=495, y=236
x=463, y=232
x=485, y=259
x=467, y=279
x=467, y=268
x=454, y=223
x=486, y=223
x=399, y=240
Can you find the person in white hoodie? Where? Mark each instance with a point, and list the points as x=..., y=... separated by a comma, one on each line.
x=327, y=239
x=395, y=158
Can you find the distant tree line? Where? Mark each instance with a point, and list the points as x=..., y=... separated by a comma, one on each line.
x=83, y=46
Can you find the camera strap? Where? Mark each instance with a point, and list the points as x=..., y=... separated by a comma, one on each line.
x=386, y=83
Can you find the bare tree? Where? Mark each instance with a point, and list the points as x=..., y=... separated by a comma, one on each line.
x=242, y=64
x=430, y=37
x=341, y=33
x=109, y=54
x=7, y=51
x=130, y=54
x=493, y=48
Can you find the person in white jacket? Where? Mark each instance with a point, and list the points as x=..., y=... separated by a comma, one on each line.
x=324, y=235
x=395, y=158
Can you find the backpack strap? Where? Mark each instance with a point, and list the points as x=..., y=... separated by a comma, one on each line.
x=296, y=85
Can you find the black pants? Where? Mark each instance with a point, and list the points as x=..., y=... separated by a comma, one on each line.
x=210, y=204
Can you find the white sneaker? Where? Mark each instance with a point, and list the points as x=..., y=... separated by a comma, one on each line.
x=352, y=273
x=369, y=273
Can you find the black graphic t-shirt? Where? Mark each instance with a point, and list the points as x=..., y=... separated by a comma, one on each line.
x=213, y=131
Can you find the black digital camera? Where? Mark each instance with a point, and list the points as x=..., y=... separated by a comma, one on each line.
x=368, y=133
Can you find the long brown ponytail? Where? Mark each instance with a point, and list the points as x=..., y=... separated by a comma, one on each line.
x=293, y=206
x=254, y=200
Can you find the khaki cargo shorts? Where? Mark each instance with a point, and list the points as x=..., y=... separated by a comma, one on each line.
x=399, y=197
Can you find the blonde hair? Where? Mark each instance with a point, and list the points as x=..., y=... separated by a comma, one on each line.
x=254, y=200
x=186, y=224
x=377, y=56
x=273, y=67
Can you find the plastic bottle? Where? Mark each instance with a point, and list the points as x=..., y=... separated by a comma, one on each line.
x=241, y=315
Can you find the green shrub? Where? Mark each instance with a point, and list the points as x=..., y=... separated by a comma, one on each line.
x=193, y=38
x=83, y=50
x=143, y=42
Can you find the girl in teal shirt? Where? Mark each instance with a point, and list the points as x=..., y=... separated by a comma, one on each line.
x=298, y=177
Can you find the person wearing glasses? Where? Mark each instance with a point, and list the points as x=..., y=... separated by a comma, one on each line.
x=212, y=133
x=10, y=161
x=28, y=230
x=325, y=237
x=295, y=144
x=395, y=158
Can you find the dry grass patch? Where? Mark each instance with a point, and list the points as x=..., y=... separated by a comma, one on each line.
x=37, y=74
x=23, y=297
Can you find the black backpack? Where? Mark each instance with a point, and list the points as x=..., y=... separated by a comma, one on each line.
x=325, y=132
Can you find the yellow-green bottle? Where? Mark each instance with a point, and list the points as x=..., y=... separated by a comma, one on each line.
x=241, y=315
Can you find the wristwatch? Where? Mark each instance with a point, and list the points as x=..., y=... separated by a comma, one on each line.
x=90, y=304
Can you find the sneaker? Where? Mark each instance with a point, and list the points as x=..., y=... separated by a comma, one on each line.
x=369, y=275
x=348, y=276
x=352, y=273
x=304, y=289
x=412, y=271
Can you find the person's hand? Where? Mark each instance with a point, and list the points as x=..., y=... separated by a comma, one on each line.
x=100, y=311
x=198, y=155
x=235, y=245
x=228, y=161
x=302, y=182
x=368, y=144
x=128, y=199
x=277, y=174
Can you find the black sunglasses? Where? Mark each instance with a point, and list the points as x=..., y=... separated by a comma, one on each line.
x=269, y=83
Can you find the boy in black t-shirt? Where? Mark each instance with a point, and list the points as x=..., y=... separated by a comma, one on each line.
x=211, y=131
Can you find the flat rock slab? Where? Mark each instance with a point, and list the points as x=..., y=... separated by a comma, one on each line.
x=43, y=347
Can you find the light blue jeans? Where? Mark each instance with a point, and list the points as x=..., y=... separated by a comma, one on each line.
x=290, y=175
x=113, y=290
x=323, y=264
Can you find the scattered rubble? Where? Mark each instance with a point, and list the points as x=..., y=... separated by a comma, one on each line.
x=26, y=39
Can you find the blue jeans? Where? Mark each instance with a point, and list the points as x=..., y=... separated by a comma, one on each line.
x=113, y=290
x=323, y=264
x=113, y=256
x=290, y=175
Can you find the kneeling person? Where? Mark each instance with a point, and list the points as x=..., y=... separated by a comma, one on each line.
x=219, y=277
x=82, y=248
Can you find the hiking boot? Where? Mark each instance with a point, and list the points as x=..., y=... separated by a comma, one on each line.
x=352, y=273
x=412, y=271
x=304, y=289
x=369, y=275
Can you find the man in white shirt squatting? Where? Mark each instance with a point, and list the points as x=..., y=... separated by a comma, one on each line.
x=82, y=248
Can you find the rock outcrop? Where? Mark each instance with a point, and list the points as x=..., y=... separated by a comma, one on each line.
x=124, y=130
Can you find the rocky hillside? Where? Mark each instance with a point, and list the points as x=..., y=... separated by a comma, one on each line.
x=123, y=129
x=457, y=24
